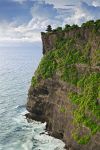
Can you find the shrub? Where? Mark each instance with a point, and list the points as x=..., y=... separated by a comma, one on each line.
x=59, y=29
x=34, y=81
x=74, y=26
x=67, y=27
x=88, y=24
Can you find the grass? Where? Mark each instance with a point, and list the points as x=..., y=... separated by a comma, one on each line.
x=81, y=140
x=87, y=102
x=62, y=109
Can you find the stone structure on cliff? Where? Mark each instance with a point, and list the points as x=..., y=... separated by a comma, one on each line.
x=65, y=90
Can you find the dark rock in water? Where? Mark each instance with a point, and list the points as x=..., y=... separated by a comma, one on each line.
x=30, y=116
x=49, y=101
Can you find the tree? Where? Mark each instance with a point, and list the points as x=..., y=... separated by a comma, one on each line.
x=97, y=24
x=67, y=26
x=88, y=24
x=74, y=26
x=49, y=28
x=59, y=29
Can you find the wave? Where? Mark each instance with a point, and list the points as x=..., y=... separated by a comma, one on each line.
x=20, y=109
x=36, y=137
x=20, y=106
x=23, y=135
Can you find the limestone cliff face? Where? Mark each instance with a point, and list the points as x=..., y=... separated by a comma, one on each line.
x=48, y=97
x=81, y=35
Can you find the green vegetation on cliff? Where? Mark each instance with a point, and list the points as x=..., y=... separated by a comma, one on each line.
x=88, y=24
x=88, y=107
x=65, y=61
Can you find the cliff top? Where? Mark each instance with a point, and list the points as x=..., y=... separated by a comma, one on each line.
x=82, y=35
x=89, y=24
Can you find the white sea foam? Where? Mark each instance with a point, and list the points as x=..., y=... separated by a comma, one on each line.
x=37, y=138
x=31, y=136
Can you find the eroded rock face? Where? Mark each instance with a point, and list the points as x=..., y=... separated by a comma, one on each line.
x=48, y=103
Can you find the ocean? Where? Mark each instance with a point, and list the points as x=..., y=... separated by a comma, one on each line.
x=17, y=66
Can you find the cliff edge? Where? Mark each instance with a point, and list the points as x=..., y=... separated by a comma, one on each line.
x=65, y=90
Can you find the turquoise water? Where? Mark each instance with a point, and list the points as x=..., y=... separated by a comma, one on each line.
x=17, y=65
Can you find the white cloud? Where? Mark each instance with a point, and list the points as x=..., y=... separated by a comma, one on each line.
x=20, y=1
x=84, y=12
x=43, y=10
x=58, y=3
x=96, y=3
x=67, y=3
x=17, y=34
x=44, y=14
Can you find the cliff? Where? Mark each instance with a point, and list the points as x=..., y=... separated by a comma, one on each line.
x=65, y=90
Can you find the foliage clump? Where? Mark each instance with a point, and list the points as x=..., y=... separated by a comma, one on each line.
x=95, y=25
x=90, y=23
x=46, y=69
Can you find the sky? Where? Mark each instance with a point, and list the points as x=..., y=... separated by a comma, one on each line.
x=21, y=21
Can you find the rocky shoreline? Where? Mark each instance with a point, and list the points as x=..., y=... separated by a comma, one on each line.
x=31, y=117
